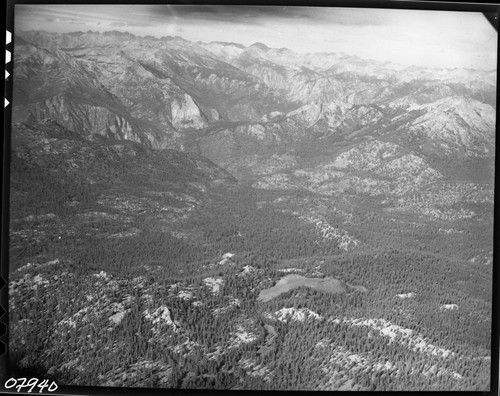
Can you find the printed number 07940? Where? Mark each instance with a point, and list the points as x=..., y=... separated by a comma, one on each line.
x=31, y=383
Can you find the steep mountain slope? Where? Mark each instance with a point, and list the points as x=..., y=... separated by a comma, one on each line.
x=455, y=125
x=141, y=89
x=326, y=123
x=159, y=188
x=345, y=99
x=69, y=186
x=228, y=102
x=56, y=85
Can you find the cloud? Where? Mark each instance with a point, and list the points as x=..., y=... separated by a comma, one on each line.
x=236, y=14
x=79, y=16
x=128, y=24
x=256, y=15
x=402, y=36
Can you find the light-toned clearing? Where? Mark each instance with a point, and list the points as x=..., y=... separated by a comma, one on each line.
x=214, y=283
x=287, y=270
x=242, y=336
x=174, y=286
x=448, y=307
x=160, y=316
x=406, y=295
x=226, y=261
x=185, y=295
x=297, y=315
x=341, y=363
x=117, y=317
x=103, y=275
x=119, y=311
x=247, y=269
x=293, y=281
x=33, y=266
x=403, y=336
x=268, y=316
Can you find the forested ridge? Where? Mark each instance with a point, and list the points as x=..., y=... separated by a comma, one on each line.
x=154, y=282
x=212, y=215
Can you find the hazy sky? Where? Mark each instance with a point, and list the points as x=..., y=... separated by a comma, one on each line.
x=410, y=37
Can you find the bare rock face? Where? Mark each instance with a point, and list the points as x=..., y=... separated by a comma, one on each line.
x=158, y=187
x=456, y=126
x=229, y=102
x=186, y=114
x=145, y=90
x=367, y=156
x=308, y=113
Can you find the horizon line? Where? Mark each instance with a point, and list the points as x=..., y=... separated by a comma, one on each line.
x=159, y=38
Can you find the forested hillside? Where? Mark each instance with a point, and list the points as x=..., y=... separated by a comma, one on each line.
x=213, y=215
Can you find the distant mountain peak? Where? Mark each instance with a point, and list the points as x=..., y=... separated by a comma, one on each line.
x=227, y=44
x=260, y=46
x=116, y=33
x=174, y=39
x=173, y=89
x=20, y=40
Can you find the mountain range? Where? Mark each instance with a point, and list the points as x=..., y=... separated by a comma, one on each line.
x=213, y=215
x=237, y=105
